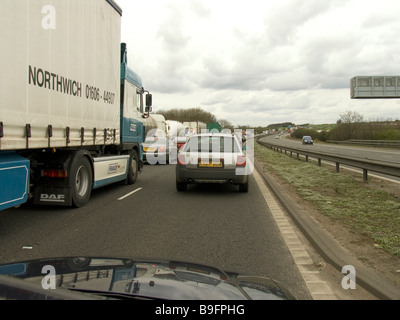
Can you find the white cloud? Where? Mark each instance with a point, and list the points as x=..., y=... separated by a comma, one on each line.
x=259, y=62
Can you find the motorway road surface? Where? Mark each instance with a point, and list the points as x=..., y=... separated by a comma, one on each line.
x=210, y=224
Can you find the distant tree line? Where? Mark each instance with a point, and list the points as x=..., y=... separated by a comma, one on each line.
x=192, y=114
x=365, y=131
x=198, y=114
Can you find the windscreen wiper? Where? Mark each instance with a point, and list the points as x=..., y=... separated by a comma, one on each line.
x=114, y=295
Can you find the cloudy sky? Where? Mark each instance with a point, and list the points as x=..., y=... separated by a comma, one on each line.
x=258, y=62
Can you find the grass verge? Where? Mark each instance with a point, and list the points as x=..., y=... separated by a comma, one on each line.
x=365, y=209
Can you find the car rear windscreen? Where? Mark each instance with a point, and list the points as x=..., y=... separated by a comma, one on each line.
x=212, y=144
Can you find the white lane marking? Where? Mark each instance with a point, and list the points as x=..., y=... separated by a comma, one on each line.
x=319, y=288
x=129, y=194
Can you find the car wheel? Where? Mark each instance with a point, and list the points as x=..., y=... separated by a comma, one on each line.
x=244, y=187
x=181, y=186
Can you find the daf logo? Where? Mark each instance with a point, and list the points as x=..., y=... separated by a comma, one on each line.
x=52, y=197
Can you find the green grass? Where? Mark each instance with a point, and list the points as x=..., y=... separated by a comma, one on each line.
x=369, y=211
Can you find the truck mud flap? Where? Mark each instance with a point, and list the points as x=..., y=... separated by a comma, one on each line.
x=53, y=196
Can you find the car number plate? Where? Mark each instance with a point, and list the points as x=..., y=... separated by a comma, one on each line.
x=210, y=164
x=146, y=149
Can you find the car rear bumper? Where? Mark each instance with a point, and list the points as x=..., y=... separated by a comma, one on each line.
x=214, y=175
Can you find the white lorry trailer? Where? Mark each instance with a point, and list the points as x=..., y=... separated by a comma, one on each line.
x=175, y=129
x=72, y=114
x=196, y=126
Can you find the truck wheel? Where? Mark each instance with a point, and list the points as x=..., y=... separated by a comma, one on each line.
x=133, y=169
x=81, y=173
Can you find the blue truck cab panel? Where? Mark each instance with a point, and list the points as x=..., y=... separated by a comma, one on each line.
x=14, y=174
x=132, y=128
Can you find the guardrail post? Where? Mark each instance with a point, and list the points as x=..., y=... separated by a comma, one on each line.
x=365, y=175
x=319, y=162
x=306, y=158
x=337, y=167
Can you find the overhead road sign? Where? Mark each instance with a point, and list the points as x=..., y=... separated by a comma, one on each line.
x=375, y=87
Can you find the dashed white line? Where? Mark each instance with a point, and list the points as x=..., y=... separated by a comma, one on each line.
x=129, y=194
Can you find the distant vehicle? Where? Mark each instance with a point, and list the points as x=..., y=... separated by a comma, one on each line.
x=212, y=158
x=182, y=138
x=173, y=128
x=158, y=149
x=196, y=126
x=181, y=141
x=307, y=140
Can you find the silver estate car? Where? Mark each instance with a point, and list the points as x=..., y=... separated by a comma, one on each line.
x=212, y=158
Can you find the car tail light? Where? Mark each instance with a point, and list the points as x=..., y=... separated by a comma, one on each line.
x=180, y=145
x=241, y=161
x=48, y=173
x=181, y=159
